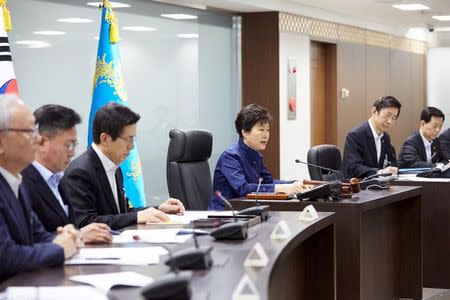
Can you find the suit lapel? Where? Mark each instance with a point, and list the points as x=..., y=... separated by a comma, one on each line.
x=46, y=194
x=17, y=212
x=422, y=151
x=103, y=179
x=371, y=143
x=120, y=192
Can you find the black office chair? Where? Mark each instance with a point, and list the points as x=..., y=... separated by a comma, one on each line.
x=327, y=156
x=188, y=174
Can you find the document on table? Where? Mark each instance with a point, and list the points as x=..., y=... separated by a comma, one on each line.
x=118, y=256
x=105, y=281
x=154, y=236
x=53, y=293
x=191, y=215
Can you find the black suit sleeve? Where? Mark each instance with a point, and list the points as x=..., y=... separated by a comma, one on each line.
x=410, y=158
x=86, y=197
x=354, y=162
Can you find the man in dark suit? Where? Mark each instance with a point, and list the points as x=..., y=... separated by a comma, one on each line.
x=55, y=148
x=444, y=140
x=24, y=243
x=95, y=181
x=368, y=148
x=422, y=148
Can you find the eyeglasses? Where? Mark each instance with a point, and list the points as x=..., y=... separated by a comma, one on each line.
x=130, y=140
x=72, y=146
x=33, y=132
x=388, y=117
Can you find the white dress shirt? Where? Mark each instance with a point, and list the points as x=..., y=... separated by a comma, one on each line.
x=377, y=139
x=427, y=145
x=52, y=180
x=12, y=180
x=110, y=169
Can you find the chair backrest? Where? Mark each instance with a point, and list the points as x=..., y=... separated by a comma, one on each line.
x=327, y=156
x=187, y=172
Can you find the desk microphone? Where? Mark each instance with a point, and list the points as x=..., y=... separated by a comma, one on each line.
x=196, y=258
x=169, y=286
x=230, y=231
x=258, y=210
x=298, y=161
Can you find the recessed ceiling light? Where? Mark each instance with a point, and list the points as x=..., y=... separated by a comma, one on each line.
x=113, y=4
x=442, y=29
x=49, y=32
x=441, y=18
x=75, y=20
x=138, y=28
x=187, y=35
x=33, y=44
x=179, y=16
x=413, y=6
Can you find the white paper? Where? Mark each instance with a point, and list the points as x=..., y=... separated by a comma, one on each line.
x=118, y=256
x=54, y=293
x=154, y=236
x=413, y=177
x=105, y=281
x=192, y=215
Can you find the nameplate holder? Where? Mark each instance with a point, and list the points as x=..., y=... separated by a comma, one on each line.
x=257, y=257
x=281, y=231
x=308, y=214
x=245, y=290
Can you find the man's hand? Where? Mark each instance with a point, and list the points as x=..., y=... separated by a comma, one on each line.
x=392, y=170
x=69, y=239
x=96, y=233
x=151, y=215
x=172, y=206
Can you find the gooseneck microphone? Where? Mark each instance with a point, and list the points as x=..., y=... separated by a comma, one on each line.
x=169, y=286
x=260, y=179
x=298, y=161
x=230, y=231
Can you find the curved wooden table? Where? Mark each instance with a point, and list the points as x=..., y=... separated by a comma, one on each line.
x=301, y=267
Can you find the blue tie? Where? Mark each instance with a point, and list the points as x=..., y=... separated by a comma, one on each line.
x=54, y=180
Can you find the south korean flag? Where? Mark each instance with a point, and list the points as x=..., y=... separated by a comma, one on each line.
x=8, y=83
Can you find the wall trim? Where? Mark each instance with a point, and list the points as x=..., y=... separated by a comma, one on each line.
x=335, y=32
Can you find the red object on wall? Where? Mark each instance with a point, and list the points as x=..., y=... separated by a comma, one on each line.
x=292, y=104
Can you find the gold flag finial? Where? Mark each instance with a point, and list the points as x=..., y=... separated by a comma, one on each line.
x=6, y=16
x=113, y=27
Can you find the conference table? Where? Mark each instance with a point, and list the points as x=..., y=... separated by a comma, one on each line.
x=436, y=229
x=301, y=266
x=378, y=241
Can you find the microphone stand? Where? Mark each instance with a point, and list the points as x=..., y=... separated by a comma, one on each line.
x=298, y=161
x=169, y=286
x=230, y=231
x=258, y=210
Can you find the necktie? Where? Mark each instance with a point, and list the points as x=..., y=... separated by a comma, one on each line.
x=54, y=180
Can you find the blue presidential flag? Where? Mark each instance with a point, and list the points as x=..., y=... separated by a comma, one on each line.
x=8, y=83
x=109, y=86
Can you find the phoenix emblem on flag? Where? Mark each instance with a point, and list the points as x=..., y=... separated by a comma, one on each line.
x=106, y=72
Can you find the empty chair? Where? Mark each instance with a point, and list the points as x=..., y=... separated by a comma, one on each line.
x=327, y=156
x=188, y=174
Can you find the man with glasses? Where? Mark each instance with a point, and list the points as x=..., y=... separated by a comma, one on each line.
x=55, y=149
x=422, y=148
x=24, y=243
x=368, y=148
x=95, y=181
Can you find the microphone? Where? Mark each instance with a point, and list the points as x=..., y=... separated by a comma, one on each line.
x=230, y=231
x=196, y=258
x=258, y=210
x=341, y=176
x=169, y=286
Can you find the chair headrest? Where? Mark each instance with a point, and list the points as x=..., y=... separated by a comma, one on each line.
x=189, y=145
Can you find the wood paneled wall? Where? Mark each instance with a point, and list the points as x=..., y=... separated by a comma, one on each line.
x=260, y=75
x=370, y=72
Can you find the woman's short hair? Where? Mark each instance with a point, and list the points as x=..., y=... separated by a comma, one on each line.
x=251, y=115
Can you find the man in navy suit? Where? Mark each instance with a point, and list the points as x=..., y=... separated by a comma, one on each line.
x=368, y=148
x=422, y=149
x=24, y=243
x=55, y=148
x=95, y=181
x=444, y=140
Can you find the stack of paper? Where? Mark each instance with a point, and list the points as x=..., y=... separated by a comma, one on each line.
x=105, y=281
x=53, y=293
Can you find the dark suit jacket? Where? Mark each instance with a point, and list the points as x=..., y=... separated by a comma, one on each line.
x=413, y=154
x=360, y=153
x=44, y=203
x=90, y=193
x=24, y=243
x=444, y=139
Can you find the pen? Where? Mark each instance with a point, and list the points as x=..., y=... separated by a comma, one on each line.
x=114, y=232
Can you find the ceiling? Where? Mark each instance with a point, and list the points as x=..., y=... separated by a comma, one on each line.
x=371, y=14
